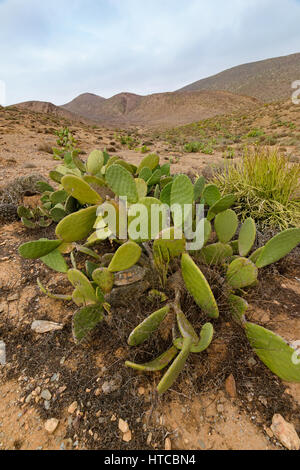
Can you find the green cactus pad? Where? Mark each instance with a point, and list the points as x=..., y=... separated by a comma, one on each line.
x=80, y=190
x=226, y=224
x=169, y=247
x=90, y=267
x=145, y=174
x=56, y=176
x=221, y=205
x=58, y=197
x=95, y=162
x=176, y=368
x=42, y=186
x=83, y=285
x=79, y=163
x=55, y=261
x=166, y=169
x=145, y=329
x=52, y=296
x=274, y=352
x=150, y=161
x=155, y=178
x=206, y=337
x=279, y=247
x=256, y=254
x=165, y=195
x=198, y=287
x=211, y=195
x=24, y=212
x=235, y=247
x=141, y=187
x=199, y=188
x=125, y=257
x=186, y=328
x=241, y=273
x=238, y=307
x=182, y=191
x=104, y=279
x=77, y=226
x=38, y=249
x=247, y=237
x=85, y=320
x=122, y=183
x=135, y=218
x=28, y=223
x=158, y=364
x=58, y=212
x=78, y=298
x=216, y=253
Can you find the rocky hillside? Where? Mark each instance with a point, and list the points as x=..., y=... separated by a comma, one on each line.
x=267, y=80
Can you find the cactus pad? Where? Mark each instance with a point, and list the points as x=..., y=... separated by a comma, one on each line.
x=55, y=261
x=80, y=190
x=221, y=205
x=83, y=285
x=241, y=273
x=145, y=329
x=279, y=247
x=104, y=279
x=238, y=307
x=176, y=368
x=211, y=195
x=247, y=237
x=77, y=226
x=150, y=161
x=274, y=352
x=216, y=253
x=38, y=249
x=226, y=224
x=206, y=337
x=198, y=287
x=122, y=183
x=85, y=320
x=125, y=257
x=95, y=162
x=158, y=364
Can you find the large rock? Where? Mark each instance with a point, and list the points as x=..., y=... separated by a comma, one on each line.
x=285, y=433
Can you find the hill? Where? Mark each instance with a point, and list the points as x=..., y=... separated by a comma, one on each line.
x=44, y=107
x=267, y=80
x=167, y=109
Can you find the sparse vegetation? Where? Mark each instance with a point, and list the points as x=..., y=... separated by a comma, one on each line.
x=266, y=186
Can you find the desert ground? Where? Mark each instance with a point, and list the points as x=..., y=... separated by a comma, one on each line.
x=224, y=400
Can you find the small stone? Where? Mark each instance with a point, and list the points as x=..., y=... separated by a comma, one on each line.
x=230, y=386
x=47, y=405
x=51, y=425
x=141, y=391
x=97, y=392
x=73, y=407
x=2, y=353
x=41, y=327
x=127, y=437
x=28, y=398
x=12, y=298
x=149, y=439
x=123, y=426
x=113, y=418
x=285, y=433
x=220, y=408
x=168, y=444
x=46, y=395
x=269, y=433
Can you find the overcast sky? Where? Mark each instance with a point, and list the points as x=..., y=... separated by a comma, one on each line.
x=54, y=50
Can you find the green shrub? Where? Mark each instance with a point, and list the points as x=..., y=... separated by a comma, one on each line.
x=266, y=186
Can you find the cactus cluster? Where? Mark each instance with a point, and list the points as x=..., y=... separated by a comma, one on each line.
x=103, y=179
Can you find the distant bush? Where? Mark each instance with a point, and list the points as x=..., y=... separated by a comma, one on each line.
x=267, y=187
x=197, y=147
